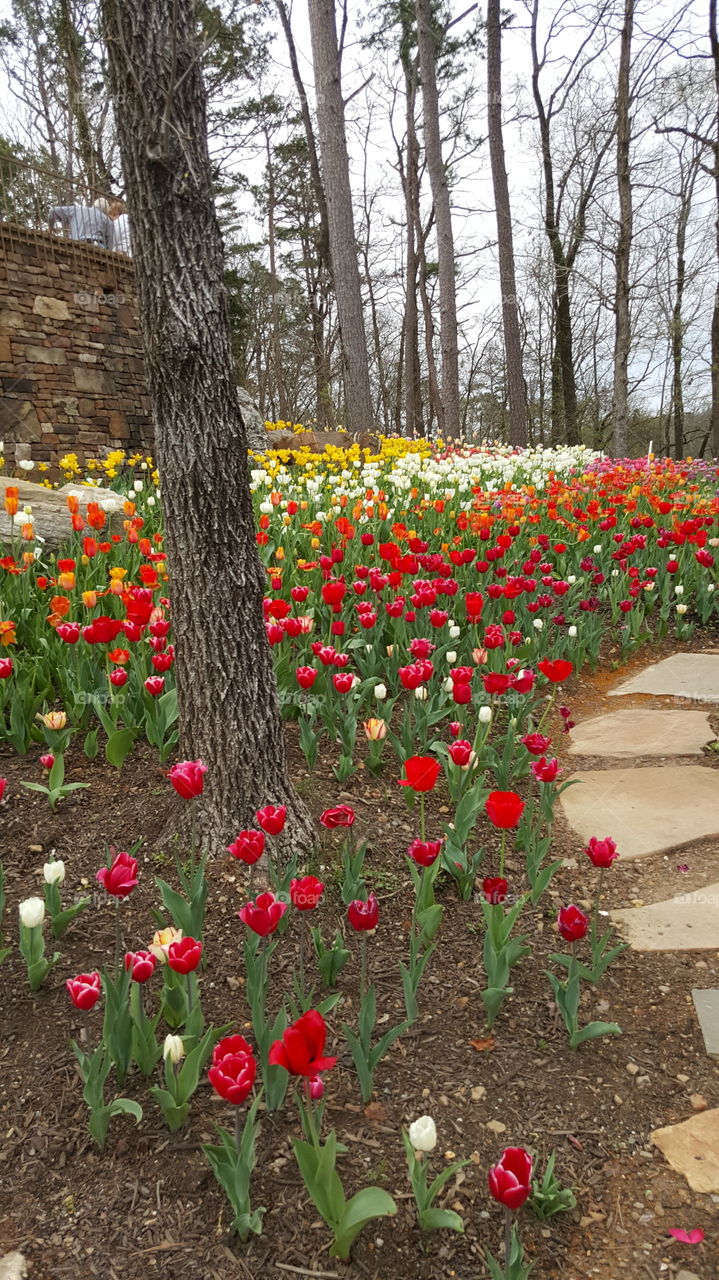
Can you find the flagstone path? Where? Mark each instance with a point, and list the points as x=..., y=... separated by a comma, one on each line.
x=648, y=808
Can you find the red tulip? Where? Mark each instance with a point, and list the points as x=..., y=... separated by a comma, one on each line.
x=6, y=665
x=363, y=917
x=306, y=893
x=536, y=743
x=572, y=923
x=47, y=760
x=229, y=1045
x=343, y=681
x=84, y=990
x=118, y=677
x=504, y=809
x=510, y=1180
x=545, y=770
x=410, y=677
x=155, y=685
x=184, y=955
x=120, y=878
x=556, y=670
x=422, y=773
x=263, y=915
x=306, y=676
x=495, y=889
x=188, y=778
x=601, y=852
x=461, y=694
x=343, y=815
x=69, y=632
x=272, y=818
x=496, y=682
x=424, y=852
x=248, y=847
x=3, y=786
x=301, y=1049
x=233, y=1075
x=460, y=753
x=141, y=965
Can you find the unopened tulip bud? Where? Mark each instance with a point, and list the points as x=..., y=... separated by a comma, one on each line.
x=32, y=912
x=380, y=692
x=54, y=872
x=316, y=1088
x=485, y=715
x=173, y=1049
x=423, y=1134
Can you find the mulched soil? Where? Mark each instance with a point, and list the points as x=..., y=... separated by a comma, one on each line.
x=148, y=1205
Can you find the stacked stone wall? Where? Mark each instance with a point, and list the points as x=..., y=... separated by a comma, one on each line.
x=72, y=374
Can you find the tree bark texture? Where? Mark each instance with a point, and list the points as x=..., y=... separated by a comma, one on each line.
x=414, y=424
x=427, y=45
x=564, y=388
x=505, y=243
x=622, y=325
x=229, y=712
x=714, y=42
x=338, y=194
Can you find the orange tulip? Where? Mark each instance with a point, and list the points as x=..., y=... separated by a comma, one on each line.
x=11, y=499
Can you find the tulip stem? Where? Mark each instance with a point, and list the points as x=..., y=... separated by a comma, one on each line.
x=595, y=914
x=193, y=831
x=421, y=815
x=363, y=967
x=507, y=1243
x=238, y=1129
x=502, y=853
x=117, y=935
x=302, y=958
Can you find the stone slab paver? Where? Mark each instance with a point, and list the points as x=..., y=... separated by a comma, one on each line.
x=683, y=675
x=692, y=1149
x=645, y=810
x=686, y=922
x=642, y=732
x=706, y=1004
x=13, y=1267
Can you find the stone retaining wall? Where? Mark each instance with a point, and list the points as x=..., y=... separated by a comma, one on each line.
x=71, y=362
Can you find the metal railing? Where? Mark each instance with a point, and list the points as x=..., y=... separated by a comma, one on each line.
x=56, y=212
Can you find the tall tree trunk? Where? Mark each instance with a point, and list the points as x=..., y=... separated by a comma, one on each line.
x=677, y=318
x=70, y=47
x=427, y=45
x=229, y=711
x=622, y=328
x=338, y=193
x=271, y=237
x=414, y=424
x=714, y=42
x=564, y=386
x=505, y=243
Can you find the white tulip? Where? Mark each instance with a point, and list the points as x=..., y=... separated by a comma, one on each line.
x=173, y=1049
x=25, y=464
x=682, y=608
x=423, y=1134
x=421, y=693
x=485, y=715
x=454, y=633
x=538, y=624
x=32, y=912
x=380, y=692
x=451, y=657
x=54, y=872
x=572, y=633
x=679, y=591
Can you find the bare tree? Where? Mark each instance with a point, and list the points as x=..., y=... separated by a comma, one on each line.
x=338, y=194
x=229, y=712
x=622, y=328
x=427, y=44
x=505, y=240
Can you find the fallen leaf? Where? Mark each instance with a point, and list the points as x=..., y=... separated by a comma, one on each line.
x=375, y=1112
x=484, y=1046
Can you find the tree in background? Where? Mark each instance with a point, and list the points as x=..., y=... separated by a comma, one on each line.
x=505, y=238
x=326, y=60
x=229, y=712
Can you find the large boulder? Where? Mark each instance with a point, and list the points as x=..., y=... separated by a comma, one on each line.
x=254, y=422
x=49, y=509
